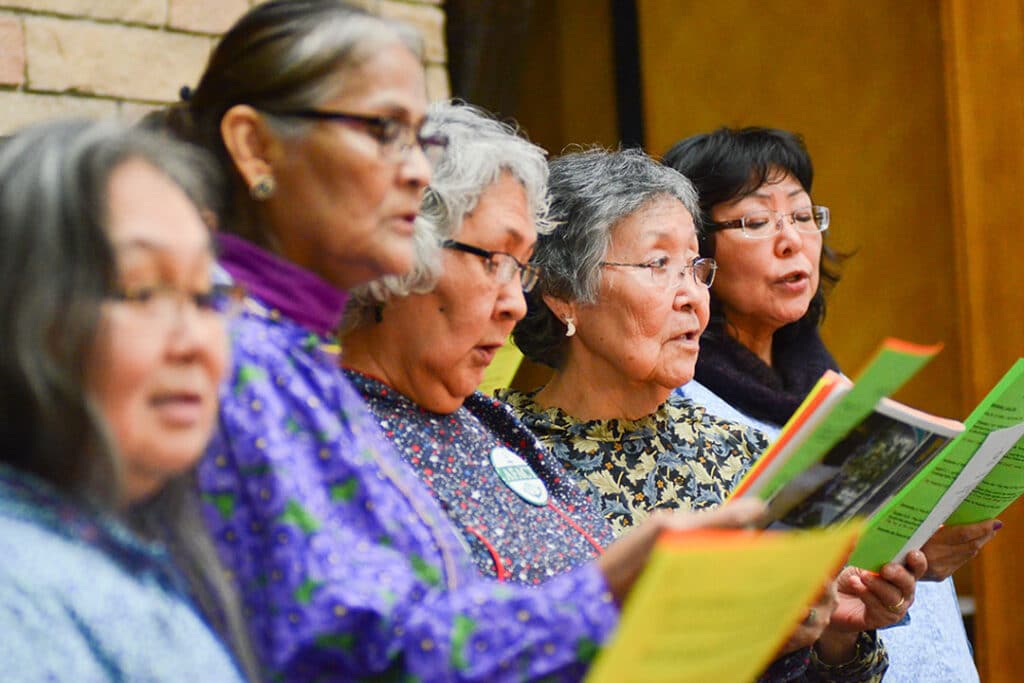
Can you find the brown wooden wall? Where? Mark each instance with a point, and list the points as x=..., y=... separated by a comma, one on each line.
x=984, y=70
x=914, y=114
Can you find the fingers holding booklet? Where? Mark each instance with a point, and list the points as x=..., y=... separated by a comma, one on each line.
x=719, y=604
x=851, y=452
x=951, y=547
x=624, y=560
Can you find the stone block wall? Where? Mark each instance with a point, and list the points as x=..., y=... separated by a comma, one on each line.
x=122, y=58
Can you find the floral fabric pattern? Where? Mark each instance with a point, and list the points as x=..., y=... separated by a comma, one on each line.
x=679, y=457
x=347, y=567
x=510, y=538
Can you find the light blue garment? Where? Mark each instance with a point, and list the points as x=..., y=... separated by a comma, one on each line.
x=83, y=600
x=930, y=644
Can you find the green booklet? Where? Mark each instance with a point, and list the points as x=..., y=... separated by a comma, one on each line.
x=848, y=444
x=974, y=478
x=851, y=452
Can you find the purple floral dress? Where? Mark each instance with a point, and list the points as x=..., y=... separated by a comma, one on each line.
x=347, y=567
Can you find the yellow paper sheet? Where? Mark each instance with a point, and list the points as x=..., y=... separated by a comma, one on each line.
x=717, y=605
x=502, y=369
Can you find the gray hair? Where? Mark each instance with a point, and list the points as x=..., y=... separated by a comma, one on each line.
x=480, y=150
x=56, y=267
x=280, y=55
x=591, y=192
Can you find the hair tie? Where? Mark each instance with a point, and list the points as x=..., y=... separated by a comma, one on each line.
x=185, y=93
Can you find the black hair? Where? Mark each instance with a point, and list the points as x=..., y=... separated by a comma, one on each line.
x=728, y=164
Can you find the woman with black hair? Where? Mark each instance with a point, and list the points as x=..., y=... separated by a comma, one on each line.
x=761, y=352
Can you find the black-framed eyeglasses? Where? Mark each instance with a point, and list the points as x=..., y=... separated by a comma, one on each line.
x=762, y=224
x=395, y=137
x=702, y=269
x=501, y=265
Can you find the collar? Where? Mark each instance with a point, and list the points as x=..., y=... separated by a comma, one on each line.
x=283, y=286
x=766, y=393
x=27, y=497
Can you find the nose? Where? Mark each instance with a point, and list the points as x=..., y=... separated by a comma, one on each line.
x=415, y=168
x=788, y=239
x=511, y=302
x=190, y=331
x=686, y=288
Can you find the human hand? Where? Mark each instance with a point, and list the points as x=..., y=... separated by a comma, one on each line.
x=624, y=560
x=819, y=614
x=951, y=547
x=869, y=601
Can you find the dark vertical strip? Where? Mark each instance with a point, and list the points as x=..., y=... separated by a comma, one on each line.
x=628, y=89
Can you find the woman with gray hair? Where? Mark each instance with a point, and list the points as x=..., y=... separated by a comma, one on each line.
x=618, y=317
x=113, y=347
x=348, y=568
x=417, y=346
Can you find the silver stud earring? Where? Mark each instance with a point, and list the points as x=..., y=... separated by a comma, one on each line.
x=570, y=327
x=263, y=188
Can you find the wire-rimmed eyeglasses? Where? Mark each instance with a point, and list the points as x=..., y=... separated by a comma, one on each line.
x=395, y=137
x=702, y=269
x=165, y=302
x=762, y=224
x=501, y=265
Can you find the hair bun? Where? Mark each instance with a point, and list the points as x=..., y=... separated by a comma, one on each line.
x=185, y=93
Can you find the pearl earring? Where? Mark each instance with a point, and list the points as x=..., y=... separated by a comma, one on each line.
x=570, y=327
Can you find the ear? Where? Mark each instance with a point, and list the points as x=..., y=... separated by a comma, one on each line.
x=251, y=144
x=562, y=309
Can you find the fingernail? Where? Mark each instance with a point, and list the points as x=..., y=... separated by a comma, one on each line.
x=997, y=526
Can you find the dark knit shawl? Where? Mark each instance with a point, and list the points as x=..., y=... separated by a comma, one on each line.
x=769, y=394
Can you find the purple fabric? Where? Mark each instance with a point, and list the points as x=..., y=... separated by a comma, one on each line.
x=283, y=286
x=346, y=565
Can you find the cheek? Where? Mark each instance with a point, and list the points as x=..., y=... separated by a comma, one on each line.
x=117, y=384
x=702, y=307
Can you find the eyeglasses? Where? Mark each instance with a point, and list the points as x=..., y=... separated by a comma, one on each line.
x=702, y=270
x=165, y=302
x=395, y=137
x=501, y=265
x=764, y=224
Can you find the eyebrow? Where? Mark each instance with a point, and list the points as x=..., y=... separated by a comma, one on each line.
x=761, y=195
x=149, y=245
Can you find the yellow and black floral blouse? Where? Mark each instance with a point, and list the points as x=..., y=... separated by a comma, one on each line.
x=679, y=457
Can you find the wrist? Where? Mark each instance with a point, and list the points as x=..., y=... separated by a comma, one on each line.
x=836, y=647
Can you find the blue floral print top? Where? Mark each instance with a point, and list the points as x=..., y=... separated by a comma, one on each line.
x=347, y=567
x=513, y=536
x=83, y=599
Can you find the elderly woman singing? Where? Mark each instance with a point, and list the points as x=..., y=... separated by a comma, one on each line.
x=416, y=347
x=619, y=316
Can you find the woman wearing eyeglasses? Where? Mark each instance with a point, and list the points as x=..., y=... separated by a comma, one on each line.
x=347, y=567
x=113, y=348
x=618, y=316
x=418, y=346
x=761, y=353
